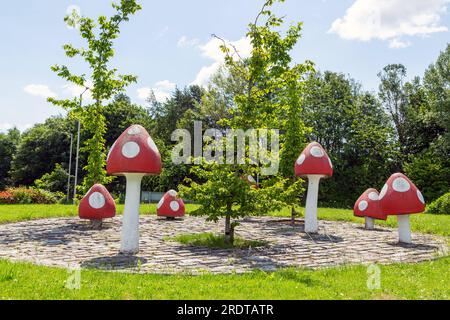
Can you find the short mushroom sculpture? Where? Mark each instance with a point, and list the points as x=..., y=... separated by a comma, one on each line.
x=134, y=155
x=314, y=164
x=97, y=204
x=401, y=197
x=368, y=206
x=171, y=206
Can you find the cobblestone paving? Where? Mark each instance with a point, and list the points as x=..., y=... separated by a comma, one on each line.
x=70, y=243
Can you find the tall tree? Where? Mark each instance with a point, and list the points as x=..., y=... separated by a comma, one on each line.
x=106, y=82
x=8, y=146
x=393, y=96
x=40, y=148
x=356, y=132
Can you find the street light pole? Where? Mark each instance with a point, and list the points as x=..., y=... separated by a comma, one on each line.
x=76, y=164
x=78, y=151
x=70, y=167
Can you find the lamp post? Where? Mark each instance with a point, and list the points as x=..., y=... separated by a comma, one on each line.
x=70, y=168
x=78, y=150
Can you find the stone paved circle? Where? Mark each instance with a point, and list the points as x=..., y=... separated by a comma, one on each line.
x=69, y=242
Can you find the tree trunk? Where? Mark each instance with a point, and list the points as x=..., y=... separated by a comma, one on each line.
x=293, y=214
x=229, y=229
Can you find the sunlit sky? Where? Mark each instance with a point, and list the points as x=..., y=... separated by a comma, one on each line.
x=169, y=43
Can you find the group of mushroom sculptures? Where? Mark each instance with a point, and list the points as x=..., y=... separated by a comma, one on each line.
x=135, y=155
x=399, y=196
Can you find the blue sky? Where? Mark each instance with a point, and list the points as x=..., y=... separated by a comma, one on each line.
x=168, y=43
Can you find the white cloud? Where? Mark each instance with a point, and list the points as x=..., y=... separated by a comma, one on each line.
x=39, y=90
x=161, y=89
x=399, y=44
x=4, y=127
x=389, y=20
x=186, y=42
x=75, y=90
x=212, y=51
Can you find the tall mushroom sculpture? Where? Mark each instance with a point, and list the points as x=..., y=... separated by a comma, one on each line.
x=314, y=164
x=368, y=206
x=171, y=206
x=133, y=155
x=401, y=197
x=97, y=204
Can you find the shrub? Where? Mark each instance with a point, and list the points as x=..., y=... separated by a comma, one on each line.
x=441, y=205
x=56, y=181
x=6, y=197
x=27, y=196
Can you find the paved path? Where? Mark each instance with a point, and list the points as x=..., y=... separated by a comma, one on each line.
x=69, y=242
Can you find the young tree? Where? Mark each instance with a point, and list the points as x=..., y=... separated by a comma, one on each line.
x=269, y=99
x=106, y=82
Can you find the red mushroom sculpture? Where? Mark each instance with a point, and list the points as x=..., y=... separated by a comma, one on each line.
x=134, y=155
x=97, y=204
x=368, y=206
x=171, y=206
x=401, y=197
x=314, y=164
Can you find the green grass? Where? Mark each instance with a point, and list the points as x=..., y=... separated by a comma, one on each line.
x=424, y=223
x=211, y=240
x=428, y=280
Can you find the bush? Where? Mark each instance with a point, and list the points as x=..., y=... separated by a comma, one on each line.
x=27, y=196
x=6, y=197
x=56, y=181
x=441, y=205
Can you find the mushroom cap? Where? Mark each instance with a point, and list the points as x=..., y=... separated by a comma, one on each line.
x=134, y=152
x=171, y=205
x=313, y=160
x=368, y=205
x=97, y=204
x=400, y=196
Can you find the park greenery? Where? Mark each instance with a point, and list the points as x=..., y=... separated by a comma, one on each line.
x=368, y=135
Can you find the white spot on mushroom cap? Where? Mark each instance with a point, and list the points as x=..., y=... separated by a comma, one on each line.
x=174, y=205
x=383, y=191
x=317, y=152
x=331, y=163
x=301, y=159
x=373, y=196
x=363, y=205
x=97, y=200
x=160, y=203
x=401, y=185
x=130, y=150
x=134, y=130
x=172, y=193
x=152, y=144
x=420, y=196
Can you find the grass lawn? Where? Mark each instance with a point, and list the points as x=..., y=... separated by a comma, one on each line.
x=428, y=280
x=215, y=241
x=425, y=223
